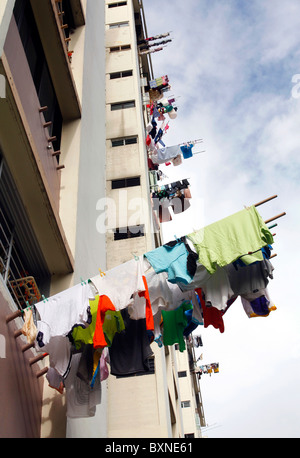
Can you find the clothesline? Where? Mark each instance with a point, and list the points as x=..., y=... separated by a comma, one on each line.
x=190, y=281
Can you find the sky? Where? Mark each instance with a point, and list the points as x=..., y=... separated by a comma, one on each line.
x=234, y=70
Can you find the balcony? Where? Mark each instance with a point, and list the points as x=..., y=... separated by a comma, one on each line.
x=52, y=27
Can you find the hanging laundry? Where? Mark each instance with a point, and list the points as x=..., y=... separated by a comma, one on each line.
x=200, y=278
x=141, y=307
x=233, y=237
x=187, y=151
x=81, y=398
x=104, y=305
x=247, y=279
x=55, y=380
x=152, y=129
x=71, y=306
x=197, y=342
x=177, y=160
x=258, y=304
x=174, y=323
x=113, y=323
x=103, y=365
x=159, y=81
x=165, y=154
x=179, y=203
x=211, y=315
x=150, y=45
x=176, y=258
x=151, y=51
x=191, y=324
x=157, y=37
x=121, y=282
x=60, y=354
x=217, y=289
x=164, y=211
x=80, y=335
x=29, y=329
x=130, y=349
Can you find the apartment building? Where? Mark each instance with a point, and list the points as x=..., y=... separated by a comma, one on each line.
x=52, y=174
x=146, y=405
x=74, y=197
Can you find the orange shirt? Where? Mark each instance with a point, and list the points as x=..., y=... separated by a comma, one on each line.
x=104, y=305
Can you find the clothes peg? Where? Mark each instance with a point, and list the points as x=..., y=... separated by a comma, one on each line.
x=102, y=274
x=44, y=298
x=135, y=256
x=28, y=306
x=82, y=281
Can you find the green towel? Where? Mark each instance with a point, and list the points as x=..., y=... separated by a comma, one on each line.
x=224, y=241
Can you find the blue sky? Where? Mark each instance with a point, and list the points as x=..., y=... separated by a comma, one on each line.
x=230, y=66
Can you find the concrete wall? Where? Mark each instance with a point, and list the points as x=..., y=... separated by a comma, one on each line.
x=21, y=390
x=82, y=185
x=127, y=206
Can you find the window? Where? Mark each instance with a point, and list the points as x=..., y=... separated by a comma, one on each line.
x=182, y=374
x=114, y=5
x=22, y=264
x=119, y=48
x=185, y=404
x=117, y=25
x=124, y=141
x=124, y=233
x=38, y=66
x=117, y=75
x=125, y=183
x=122, y=105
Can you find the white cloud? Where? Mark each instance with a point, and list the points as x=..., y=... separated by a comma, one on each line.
x=232, y=65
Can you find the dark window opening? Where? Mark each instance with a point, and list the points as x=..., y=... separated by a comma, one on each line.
x=185, y=404
x=182, y=374
x=115, y=5
x=123, y=74
x=124, y=141
x=118, y=25
x=124, y=233
x=122, y=105
x=119, y=48
x=125, y=183
x=39, y=68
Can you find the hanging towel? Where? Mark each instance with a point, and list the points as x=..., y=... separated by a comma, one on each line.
x=221, y=243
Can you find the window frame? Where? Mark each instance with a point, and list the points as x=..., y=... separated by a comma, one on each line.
x=127, y=182
x=128, y=234
x=124, y=141
x=122, y=105
x=123, y=74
